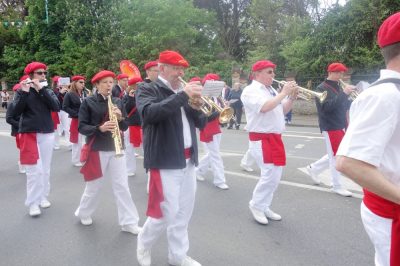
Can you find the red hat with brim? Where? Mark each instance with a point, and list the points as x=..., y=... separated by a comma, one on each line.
x=122, y=76
x=337, y=67
x=195, y=79
x=134, y=80
x=34, y=66
x=16, y=87
x=172, y=58
x=24, y=77
x=210, y=76
x=77, y=77
x=150, y=64
x=389, y=32
x=260, y=65
x=101, y=75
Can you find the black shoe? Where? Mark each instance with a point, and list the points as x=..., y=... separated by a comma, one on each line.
x=229, y=127
x=237, y=128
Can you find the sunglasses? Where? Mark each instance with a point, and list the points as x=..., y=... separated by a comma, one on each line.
x=40, y=72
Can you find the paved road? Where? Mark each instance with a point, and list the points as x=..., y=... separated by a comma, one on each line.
x=318, y=227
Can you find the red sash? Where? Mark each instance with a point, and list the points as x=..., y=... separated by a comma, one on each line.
x=73, y=130
x=28, y=153
x=17, y=140
x=135, y=135
x=156, y=194
x=212, y=128
x=335, y=137
x=55, y=118
x=91, y=170
x=272, y=147
x=389, y=210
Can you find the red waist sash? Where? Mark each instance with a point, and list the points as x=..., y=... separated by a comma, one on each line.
x=28, y=153
x=55, y=118
x=91, y=170
x=73, y=130
x=335, y=137
x=272, y=147
x=212, y=128
x=135, y=135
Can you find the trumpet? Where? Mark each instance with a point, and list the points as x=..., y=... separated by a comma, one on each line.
x=354, y=94
x=116, y=133
x=307, y=94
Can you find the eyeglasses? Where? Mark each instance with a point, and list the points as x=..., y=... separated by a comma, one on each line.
x=40, y=72
x=270, y=72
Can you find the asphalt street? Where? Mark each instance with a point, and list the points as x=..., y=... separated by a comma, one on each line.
x=318, y=226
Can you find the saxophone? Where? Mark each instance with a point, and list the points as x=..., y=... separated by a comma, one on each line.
x=116, y=133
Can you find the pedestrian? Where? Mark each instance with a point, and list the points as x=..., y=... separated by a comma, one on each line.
x=5, y=98
x=151, y=69
x=236, y=104
x=119, y=90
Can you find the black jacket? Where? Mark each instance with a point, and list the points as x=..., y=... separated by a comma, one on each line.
x=332, y=112
x=72, y=102
x=60, y=96
x=130, y=103
x=92, y=114
x=116, y=91
x=160, y=110
x=235, y=95
x=35, y=110
x=12, y=120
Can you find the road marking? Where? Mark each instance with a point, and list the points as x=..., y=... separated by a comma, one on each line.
x=299, y=146
x=303, y=132
x=301, y=136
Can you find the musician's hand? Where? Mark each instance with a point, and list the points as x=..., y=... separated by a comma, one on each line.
x=132, y=93
x=118, y=113
x=64, y=89
x=193, y=89
x=36, y=84
x=24, y=86
x=289, y=88
x=348, y=89
x=294, y=94
x=107, y=126
x=196, y=103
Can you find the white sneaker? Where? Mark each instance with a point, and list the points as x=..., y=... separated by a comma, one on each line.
x=313, y=175
x=272, y=215
x=56, y=147
x=130, y=228
x=45, y=203
x=246, y=168
x=131, y=174
x=78, y=164
x=199, y=177
x=187, y=261
x=21, y=168
x=259, y=216
x=137, y=154
x=342, y=192
x=222, y=186
x=86, y=220
x=143, y=256
x=34, y=210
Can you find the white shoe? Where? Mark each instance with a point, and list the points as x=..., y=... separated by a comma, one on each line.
x=137, y=154
x=222, y=186
x=342, y=192
x=21, y=168
x=143, y=256
x=78, y=164
x=86, y=220
x=199, y=177
x=56, y=147
x=131, y=174
x=130, y=228
x=45, y=203
x=313, y=175
x=187, y=261
x=272, y=215
x=246, y=168
x=34, y=210
x=259, y=216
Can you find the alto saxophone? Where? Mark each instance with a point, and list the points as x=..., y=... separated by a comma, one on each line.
x=116, y=133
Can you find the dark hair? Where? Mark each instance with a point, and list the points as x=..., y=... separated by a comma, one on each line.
x=391, y=51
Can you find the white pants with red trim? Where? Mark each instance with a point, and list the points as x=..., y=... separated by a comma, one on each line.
x=76, y=149
x=112, y=168
x=38, y=175
x=379, y=230
x=130, y=154
x=328, y=161
x=268, y=182
x=179, y=188
x=248, y=160
x=65, y=124
x=212, y=160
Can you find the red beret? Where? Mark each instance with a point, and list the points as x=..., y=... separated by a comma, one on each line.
x=102, y=74
x=150, y=64
x=210, y=76
x=389, y=32
x=195, y=79
x=24, y=77
x=16, y=87
x=77, y=77
x=172, y=58
x=55, y=78
x=134, y=80
x=337, y=67
x=259, y=65
x=34, y=66
x=122, y=76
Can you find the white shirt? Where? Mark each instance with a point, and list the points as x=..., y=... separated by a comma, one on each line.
x=254, y=97
x=373, y=135
x=187, y=137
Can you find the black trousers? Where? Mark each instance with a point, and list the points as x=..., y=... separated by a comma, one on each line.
x=237, y=117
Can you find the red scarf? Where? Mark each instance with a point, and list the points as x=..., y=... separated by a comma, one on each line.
x=55, y=118
x=28, y=153
x=73, y=130
x=335, y=137
x=212, y=128
x=135, y=135
x=272, y=147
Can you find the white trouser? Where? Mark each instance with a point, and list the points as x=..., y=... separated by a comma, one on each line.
x=76, y=149
x=65, y=123
x=269, y=180
x=38, y=175
x=57, y=137
x=328, y=161
x=130, y=154
x=248, y=160
x=213, y=160
x=179, y=188
x=379, y=230
x=114, y=168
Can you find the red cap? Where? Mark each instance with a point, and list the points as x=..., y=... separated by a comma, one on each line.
x=16, y=87
x=195, y=79
x=150, y=64
x=77, y=77
x=34, y=66
x=24, y=77
x=259, y=65
x=337, y=67
x=389, y=32
x=210, y=76
x=55, y=79
x=134, y=80
x=102, y=74
x=172, y=58
x=122, y=76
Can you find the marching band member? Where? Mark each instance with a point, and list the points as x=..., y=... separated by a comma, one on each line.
x=34, y=103
x=119, y=90
x=210, y=136
x=170, y=152
x=332, y=123
x=133, y=135
x=151, y=69
x=370, y=150
x=102, y=162
x=71, y=104
x=265, y=109
x=55, y=116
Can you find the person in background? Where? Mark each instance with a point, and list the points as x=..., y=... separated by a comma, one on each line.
x=236, y=104
x=151, y=69
x=119, y=90
x=5, y=97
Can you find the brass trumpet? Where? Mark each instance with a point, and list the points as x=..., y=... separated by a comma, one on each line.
x=354, y=94
x=307, y=94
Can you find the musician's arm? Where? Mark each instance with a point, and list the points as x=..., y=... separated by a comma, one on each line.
x=199, y=119
x=287, y=105
x=84, y=117
x=122, y=124
x=50, y=99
